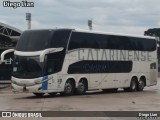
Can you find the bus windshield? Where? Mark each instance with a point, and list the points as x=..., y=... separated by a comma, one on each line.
x=27, y=67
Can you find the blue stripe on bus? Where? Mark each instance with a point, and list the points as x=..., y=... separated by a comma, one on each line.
x=45, y=84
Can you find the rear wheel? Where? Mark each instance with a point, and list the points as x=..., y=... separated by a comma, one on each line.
x=82, y=87
x=39, y=94
x=141, y=85
x=133, y=85
x=68, y=88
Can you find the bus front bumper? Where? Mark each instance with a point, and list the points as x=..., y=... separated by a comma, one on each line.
x=36, y=88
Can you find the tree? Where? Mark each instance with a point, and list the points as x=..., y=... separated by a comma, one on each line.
x=153, y=32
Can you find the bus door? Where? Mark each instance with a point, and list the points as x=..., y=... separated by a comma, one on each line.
x=49, y=72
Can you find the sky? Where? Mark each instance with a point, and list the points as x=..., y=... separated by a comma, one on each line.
x=118, y=16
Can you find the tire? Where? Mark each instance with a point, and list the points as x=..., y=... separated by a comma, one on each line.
x=52, y=94
x=110, y=90
x=68, y=88
x=133, y=85
x=39, y=94
x=82, y=87
x=141, y=85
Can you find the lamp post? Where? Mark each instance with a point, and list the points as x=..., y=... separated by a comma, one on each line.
x=90, y=24
x=28, y=18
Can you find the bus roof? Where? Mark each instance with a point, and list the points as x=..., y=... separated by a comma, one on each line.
x=110, y=33
x=97, y=32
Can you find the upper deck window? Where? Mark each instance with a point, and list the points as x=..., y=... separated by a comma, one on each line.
x=37, y=40
x=100, y=41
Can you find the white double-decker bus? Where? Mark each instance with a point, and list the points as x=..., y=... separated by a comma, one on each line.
x=72, y=61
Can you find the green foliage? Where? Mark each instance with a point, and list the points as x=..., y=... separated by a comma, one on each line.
x=153, y=32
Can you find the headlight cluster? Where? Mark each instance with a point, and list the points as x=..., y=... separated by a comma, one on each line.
x=38, y=81
x=14, y=82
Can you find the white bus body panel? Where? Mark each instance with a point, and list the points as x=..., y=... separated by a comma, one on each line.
x=57, y=82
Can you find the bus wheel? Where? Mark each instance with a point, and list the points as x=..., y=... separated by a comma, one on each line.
x=39, y=94
x=140, y=85
x=52, y=94
x=82, y=87
x=68, y=88
x=133, y=85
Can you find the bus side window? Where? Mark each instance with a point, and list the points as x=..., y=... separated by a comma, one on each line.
x=50, y=66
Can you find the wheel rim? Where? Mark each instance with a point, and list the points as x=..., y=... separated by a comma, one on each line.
x=141, y=84
x=68, y=88
x=133, y=85
x=81, y=87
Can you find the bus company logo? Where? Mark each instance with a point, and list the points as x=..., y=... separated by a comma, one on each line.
x=15, y=5
x=122, y=55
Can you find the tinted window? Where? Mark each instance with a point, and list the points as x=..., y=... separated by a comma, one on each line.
x=87, y=66
x=55, y=62
x=50, y=67
x=34, y=40
x=98, y=41
x=60, y=38
x=87, y=40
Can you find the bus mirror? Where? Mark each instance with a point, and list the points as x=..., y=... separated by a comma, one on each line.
x=4, y=53
x=56, y=50
x=47, y=51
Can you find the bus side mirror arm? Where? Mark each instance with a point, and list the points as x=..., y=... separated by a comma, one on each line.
x=47, y=51
x=4, y=53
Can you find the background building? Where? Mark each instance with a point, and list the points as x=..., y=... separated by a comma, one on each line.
x=8, y=39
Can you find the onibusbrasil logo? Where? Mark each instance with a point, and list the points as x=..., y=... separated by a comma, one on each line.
x=21, y=114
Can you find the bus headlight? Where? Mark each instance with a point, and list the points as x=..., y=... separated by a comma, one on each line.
x=14, y=82
x=38, y=81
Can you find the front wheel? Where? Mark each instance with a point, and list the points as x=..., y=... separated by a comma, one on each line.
x=68, y=88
